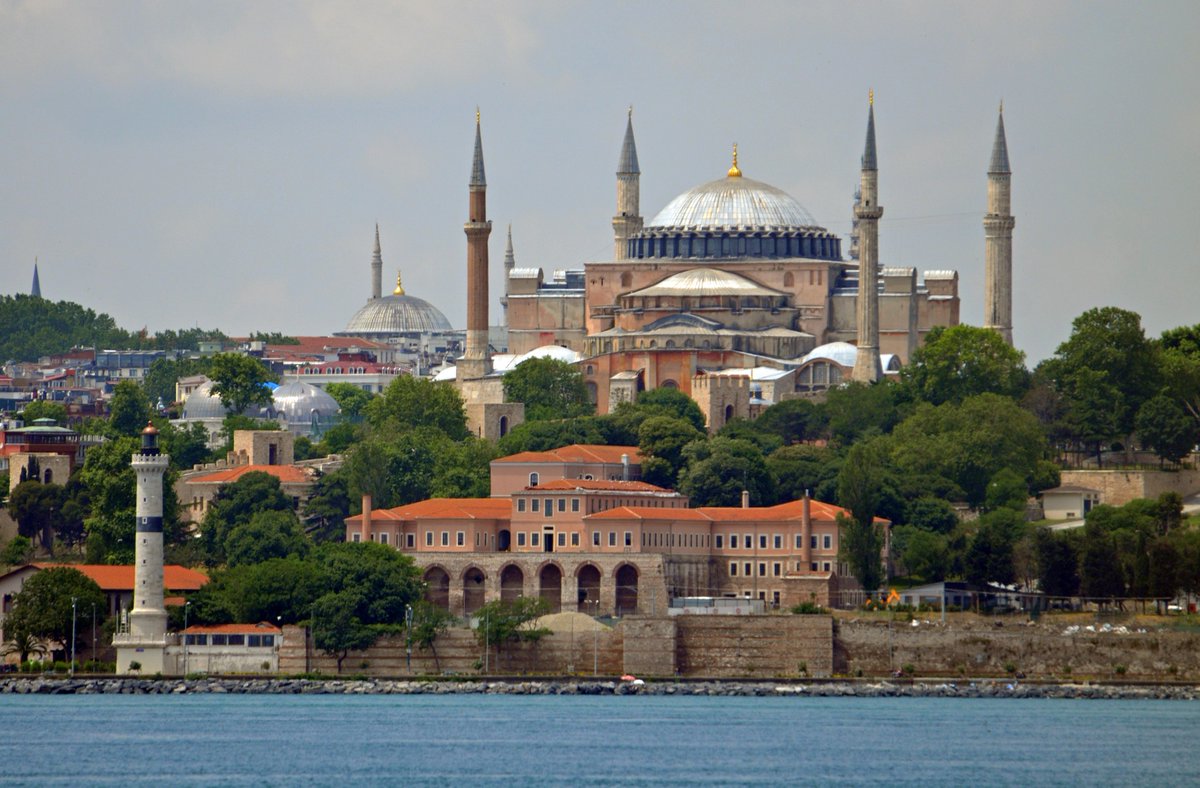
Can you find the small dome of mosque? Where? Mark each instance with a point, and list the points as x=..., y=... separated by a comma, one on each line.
x=202, y=403
x=398, y=313
x=301, y=402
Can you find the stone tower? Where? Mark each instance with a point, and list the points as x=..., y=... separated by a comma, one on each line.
x=866, y=362
x=510, y=262
x=377, y=267
x=475, y=362
x=628, y=219
x=144, y=640
x=997, y=231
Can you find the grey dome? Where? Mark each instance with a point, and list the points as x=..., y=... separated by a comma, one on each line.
x=299, y=402
x=733, y=202
x=203, y=404
x=396, y=314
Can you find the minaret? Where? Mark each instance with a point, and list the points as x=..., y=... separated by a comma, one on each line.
x=628, y=220
x=145, y=640
x=510, y=262
x=377, y=267
x=475, y=362
x=36, y=290
x=866, y=363
x=997, y=231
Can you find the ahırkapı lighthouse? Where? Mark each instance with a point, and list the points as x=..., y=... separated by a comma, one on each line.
x=144, y=639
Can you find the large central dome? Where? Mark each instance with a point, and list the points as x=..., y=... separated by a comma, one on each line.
x=734, y=202
x=394, y=315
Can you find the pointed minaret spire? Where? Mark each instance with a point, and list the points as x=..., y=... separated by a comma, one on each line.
x=628, y=221
x=510, y=259
x=867, y=368
x=868, y=157
x=478, y=179
x=998, y=226
x=475, y=362
x=377, y=267
x=999, y=165
x=628, y=163
x=36, y=290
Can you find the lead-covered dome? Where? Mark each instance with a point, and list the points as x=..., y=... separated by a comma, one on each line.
x=734, y=202
x=394, y=315
x=307, y=408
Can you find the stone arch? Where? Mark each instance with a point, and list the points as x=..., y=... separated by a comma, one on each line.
x=474, y=581
x=626, y=279
x=512, y=582
x=728, y=413
x=668, y=384
x=789, y=280
x=503, y=428
x=626, y=577
x=503, y=540
x=48, y=476
x=589, y=577
x=550, y=577
x=437, y=586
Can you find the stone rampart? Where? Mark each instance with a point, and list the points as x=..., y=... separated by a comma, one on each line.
x=754, y=646
x=1118, y=487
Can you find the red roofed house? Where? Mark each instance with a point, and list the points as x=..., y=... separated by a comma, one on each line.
x=229, y=648
x=115, y=581
x=609, y=545
x=529, y=468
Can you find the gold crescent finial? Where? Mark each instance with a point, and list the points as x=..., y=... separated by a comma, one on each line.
x=399, y=287
x=734, y=172
x=476, y=115
x=871, y=97
x=1001, y=106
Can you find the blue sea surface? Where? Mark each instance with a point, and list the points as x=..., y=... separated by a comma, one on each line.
x=605, y=740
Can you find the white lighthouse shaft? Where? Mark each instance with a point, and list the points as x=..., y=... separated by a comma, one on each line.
x=148, y=619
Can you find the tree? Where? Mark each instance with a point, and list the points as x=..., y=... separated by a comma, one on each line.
x=385, y=579
x=278, y=589
x=463, y=469
x=1164, y=426
x=858, y=491
x=858, y=409
x=924, y=554
x=268, y=534
x=35, y=507
x=550, y=388
x=669, y=402
x=989, y=558
x=957, y=362
x=409, y=402
x=187, y=445
x=240, y=381
x=129, y=409
x=327, y=508
x=718, y=470
x=42, y=608
x=801, y=468
x=18, y=551
x=1094, y=409
x=1057, y=564
x=1100, y=573
x=1110, y=344
x=1006, y=490
x=968, y=444
x=352, y=400
x=44, y=409
x=429, y=621
x=547, y=435
x=164, y=373
x=337, y=628
x=1165, y=569
x=236, y=504
x=664, y=438
x=504, y=622
x=931, y=514
x=794, y=420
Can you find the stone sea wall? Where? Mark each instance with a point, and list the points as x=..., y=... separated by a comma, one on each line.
x=849, y=689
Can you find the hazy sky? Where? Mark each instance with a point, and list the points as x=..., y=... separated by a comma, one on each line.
x=222, y=164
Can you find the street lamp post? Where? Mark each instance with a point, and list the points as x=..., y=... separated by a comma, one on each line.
x=186, y=606
x=73, y=601
x=408, y=620
x=93, y=636
x=595, y=605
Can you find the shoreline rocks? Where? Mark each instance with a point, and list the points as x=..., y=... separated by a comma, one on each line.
x=47, y=685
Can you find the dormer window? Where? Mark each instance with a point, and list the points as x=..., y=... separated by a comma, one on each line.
x=533, y=479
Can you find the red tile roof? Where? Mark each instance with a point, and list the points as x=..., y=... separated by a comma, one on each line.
x=286, y=474
x=444, y=509
x=793, y=510
x=604, y=485
x=120, y=578
x=648, y=513
x=260, y=628
x=579, y=452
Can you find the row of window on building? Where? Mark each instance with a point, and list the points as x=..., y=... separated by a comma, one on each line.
x=747, y=568
x=651, y=539
x=250, y=641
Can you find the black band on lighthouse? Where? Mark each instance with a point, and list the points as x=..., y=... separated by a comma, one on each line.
x=151, y=525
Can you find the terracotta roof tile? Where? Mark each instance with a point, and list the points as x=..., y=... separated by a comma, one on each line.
x=648, y=513
x=262, y=628
x=610, y=485
x=444, y=509
x=120, y=578
x=286, y=474
x=579, y=452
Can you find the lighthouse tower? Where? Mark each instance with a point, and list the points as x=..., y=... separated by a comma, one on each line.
x=144, y=639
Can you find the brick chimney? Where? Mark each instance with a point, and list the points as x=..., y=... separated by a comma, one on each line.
x=366, y=518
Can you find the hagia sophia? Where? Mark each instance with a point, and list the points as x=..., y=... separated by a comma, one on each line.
x=731, y=293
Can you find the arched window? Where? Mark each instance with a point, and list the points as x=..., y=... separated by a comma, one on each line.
x=626, y=279
x=789, y=280
x=533, y=479
x=503, y=426
x=47, y=476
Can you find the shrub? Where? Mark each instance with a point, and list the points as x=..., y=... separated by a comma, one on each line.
x=1010, y=667
x=908, y=669
x=809, y=609
x=1119, y=670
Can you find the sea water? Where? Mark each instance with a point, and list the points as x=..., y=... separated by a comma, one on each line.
x=607, y=740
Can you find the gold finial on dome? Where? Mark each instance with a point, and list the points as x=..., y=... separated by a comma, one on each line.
x=476, y=116
x=871, y=97
x=734, y=172
x=399, y=287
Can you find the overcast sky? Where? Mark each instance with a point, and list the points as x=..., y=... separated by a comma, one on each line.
x=222, y=164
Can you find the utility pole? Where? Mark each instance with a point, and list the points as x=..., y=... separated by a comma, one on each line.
x=186, y=606
x=73, y=601
x=408, y=620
